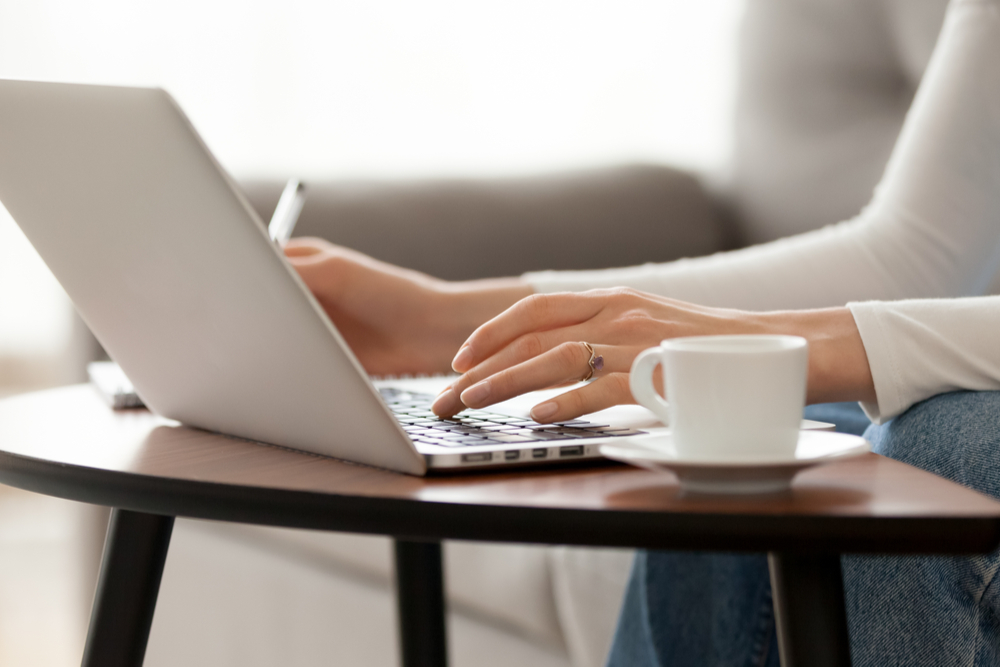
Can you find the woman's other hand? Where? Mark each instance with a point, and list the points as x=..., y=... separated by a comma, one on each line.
x=538, y=343
x=396, y=320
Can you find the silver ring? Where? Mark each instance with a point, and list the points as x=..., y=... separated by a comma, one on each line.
x=595, y=363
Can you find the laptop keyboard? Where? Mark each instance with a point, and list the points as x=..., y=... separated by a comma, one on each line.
x=474, y=428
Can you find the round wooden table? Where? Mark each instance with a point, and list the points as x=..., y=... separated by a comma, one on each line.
x=68, y=443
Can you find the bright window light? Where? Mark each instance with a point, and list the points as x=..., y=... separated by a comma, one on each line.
x=34, y=311
x=389, y=88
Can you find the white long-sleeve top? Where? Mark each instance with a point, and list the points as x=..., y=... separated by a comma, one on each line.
x=930, y=234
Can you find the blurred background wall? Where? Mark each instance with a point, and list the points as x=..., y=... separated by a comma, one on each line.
x=383, y=89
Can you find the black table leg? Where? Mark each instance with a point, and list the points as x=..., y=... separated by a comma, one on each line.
x=809, y=610
x=134, y=554
x=420, y=596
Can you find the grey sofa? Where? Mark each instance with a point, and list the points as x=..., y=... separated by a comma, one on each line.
x=461, y=229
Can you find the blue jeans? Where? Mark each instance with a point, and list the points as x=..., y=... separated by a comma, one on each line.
x=714, y=610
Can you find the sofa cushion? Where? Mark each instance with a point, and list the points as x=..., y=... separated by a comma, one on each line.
x=461, y=229
x=224, y=604
x=589, y=585
x=503, y=584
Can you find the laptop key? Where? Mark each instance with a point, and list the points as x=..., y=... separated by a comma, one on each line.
x=426, y=432
x=471, y=440
x=545, y=435
x=541, y=435
x=457, y=428
x=429, y=441
x=507, y=437
x=448, y=443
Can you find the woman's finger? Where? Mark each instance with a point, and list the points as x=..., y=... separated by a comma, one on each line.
x=605, y=392
x=563, y=363
x=535, y=343
x=567, y=363
x=524, y=348
x=551, y=364
x=325, y=269
x=538, y=312
x=304, y=246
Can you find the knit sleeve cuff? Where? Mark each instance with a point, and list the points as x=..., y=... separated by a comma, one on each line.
x=882, y=361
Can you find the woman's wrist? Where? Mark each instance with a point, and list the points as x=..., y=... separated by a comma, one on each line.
x=463, y=306
x=838, y=362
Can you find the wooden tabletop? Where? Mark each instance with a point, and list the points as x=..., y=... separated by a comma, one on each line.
x=68, y=443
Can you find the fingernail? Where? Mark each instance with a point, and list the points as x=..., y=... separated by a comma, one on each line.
x=446, y=403
x=543, y=411
x=477, y=394
x=461, y=361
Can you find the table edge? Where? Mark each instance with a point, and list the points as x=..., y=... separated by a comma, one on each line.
x=432, y=520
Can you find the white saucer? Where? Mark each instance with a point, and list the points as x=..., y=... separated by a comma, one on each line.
x=657, y=452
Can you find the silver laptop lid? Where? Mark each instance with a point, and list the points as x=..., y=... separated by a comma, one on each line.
x=176, y=276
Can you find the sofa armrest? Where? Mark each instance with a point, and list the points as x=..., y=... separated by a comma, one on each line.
x=461, y=229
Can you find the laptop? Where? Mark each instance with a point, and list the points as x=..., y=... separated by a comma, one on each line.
x=178, y=279
x=176, y=276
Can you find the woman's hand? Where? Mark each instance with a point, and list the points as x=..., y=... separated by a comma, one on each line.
x=538, y=343
x=395, y=320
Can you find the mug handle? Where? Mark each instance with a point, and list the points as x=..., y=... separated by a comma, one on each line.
x=640, y=383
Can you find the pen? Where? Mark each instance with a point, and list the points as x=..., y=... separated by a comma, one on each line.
x=286, y=213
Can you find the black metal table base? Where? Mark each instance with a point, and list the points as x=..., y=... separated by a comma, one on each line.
x=808, y=600
x=420, y=597
x=809, y=610
x=134, y=555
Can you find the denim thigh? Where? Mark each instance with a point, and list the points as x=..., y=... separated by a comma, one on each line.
x=923, y=610
x=713, y=610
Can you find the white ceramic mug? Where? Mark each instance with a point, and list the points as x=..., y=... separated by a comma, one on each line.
x=731, y=398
